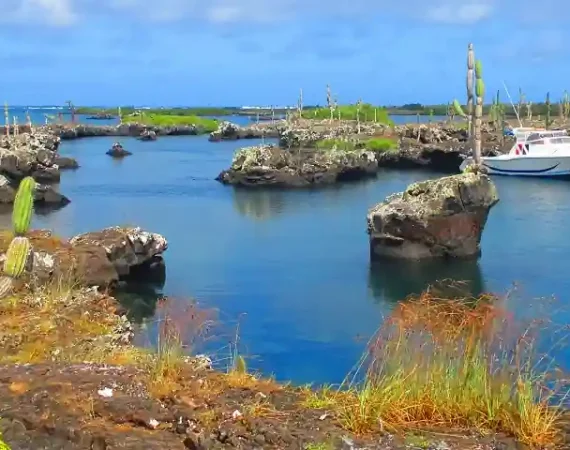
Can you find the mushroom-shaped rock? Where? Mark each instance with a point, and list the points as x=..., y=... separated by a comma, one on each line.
x=433, y=219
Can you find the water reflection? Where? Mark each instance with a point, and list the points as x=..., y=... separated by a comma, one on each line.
x=39, y=209
x=395, y=280
x=258, y=204
x=139, y=300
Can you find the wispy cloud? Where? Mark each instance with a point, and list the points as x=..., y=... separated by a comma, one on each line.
x=67, y=12
x=51, y=12
x=466, y=13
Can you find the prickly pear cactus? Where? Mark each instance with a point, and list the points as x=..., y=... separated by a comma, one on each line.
x=20, y=248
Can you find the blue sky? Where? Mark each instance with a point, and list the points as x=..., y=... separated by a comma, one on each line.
x=234, y=52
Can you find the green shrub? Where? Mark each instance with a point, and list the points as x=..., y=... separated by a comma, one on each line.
x=349, y=112
x=381, y=144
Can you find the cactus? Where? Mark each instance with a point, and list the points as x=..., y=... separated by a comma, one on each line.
x=480, y=92
x=547, y=120
x=6, y=285
x=522, y=102
x=458, y=109
x=17, y=256
x=529, y=111
x=566, y=105
x=475, y=87
x=358, y=108
x=300, y=103
x=330, y=103
x=470, y=90
x=20, y=248
x=23, y=206
x=7, y=118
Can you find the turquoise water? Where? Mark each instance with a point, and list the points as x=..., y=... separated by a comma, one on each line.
x=293, y=266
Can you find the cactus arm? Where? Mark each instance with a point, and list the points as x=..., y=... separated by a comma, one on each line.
x=23, y=206
x=17, y=256
x=458, y=109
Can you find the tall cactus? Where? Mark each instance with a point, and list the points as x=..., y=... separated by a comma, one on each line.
x=480, y=92
x=566, y=106
x=20, y=248
x=7, y=118
x=470, y=90
x=547, y=122
x=330, y=103
x=475, y=86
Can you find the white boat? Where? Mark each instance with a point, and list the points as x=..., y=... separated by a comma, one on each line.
x=536, y=153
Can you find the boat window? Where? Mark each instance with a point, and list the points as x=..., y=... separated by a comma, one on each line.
x=533, y=136
x=537, y=142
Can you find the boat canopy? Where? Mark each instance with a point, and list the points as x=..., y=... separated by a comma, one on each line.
x=546, y=134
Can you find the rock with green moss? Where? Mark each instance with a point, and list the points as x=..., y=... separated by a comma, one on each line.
x=269, y=165
x=433, y=219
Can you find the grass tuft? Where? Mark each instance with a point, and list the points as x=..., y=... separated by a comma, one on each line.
x=181, y=327
x=461, y=363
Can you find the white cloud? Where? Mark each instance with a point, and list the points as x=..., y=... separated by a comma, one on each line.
x=52, y=12
x=466, y=13
x=65, y=12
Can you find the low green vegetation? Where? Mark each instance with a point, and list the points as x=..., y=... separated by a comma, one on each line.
x=165, y=120
x=381, y=144
x=367, y=113
x=377, y=144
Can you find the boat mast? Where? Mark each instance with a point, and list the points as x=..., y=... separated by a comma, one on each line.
x=513, y=105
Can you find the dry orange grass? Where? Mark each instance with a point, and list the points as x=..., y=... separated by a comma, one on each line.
x=453, y=363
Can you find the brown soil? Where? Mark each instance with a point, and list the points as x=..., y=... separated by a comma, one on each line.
x=48, y=406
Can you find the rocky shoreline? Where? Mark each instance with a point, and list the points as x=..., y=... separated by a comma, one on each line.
x=34, y=155
x=99, y=258
x=298, y=161
x=69, y=132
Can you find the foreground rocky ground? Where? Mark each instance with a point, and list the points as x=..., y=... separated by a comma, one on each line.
x=90, y=406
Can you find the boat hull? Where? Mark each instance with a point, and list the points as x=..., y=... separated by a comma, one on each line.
x=525, y=166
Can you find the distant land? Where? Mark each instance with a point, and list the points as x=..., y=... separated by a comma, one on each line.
x=406, y=109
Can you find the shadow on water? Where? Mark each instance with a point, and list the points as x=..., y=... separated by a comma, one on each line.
x=393, y=281
x=139, y=300
x=267, y=202
x=41, y=209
